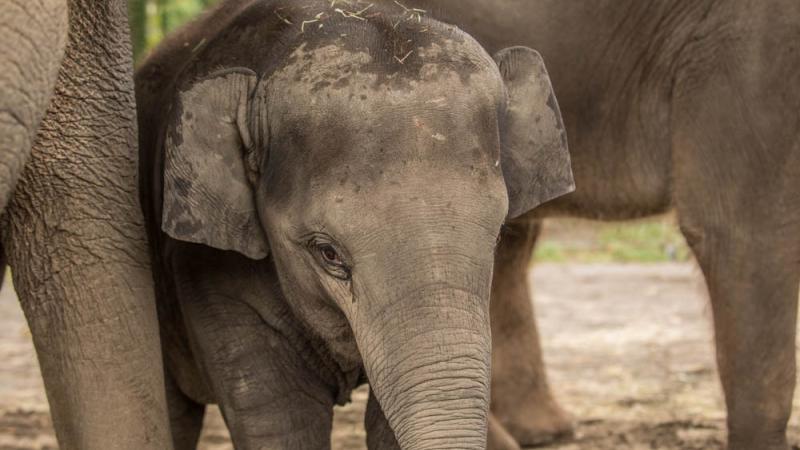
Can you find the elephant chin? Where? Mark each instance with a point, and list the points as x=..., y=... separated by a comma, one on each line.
x=429, y=368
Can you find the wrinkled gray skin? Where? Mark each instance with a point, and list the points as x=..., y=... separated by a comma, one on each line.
x=324, y=200
x=30, y=65
x=691, y=105
x=72, y=228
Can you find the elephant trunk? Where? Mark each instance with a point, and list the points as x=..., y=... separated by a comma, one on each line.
x=428, y=357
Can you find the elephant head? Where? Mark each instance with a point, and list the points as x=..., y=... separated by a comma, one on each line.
x=378, y=184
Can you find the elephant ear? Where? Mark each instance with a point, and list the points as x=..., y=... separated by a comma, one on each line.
x=534, y=156
x=208, y=167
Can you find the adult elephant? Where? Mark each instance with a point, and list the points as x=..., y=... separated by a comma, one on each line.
x=72, y=229
x=692, y=105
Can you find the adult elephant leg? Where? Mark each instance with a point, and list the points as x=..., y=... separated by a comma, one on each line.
x=521, y=398
x=753, y=289
x=34, y=35
x=737, y=175
x=75, y=240
x=753, y=284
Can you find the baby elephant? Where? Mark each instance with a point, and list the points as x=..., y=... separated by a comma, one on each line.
x=324, y=184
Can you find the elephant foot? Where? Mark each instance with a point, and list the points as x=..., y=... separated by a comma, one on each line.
x=499, y=438
x=751, y=442
x=537, y=424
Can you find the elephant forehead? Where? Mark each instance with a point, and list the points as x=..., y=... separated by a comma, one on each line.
x=343, y=103
x=336, y=79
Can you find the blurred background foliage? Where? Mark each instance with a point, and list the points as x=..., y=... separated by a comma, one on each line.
x=152, y=19
x=563, y=240
x=655, y=239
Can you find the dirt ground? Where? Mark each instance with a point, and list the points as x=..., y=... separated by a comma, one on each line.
x=628, y=349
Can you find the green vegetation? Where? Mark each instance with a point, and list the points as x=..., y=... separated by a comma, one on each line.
x=152, y=19
x=652, y=240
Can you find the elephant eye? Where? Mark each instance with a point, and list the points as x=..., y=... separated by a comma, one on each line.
x=330, y=255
